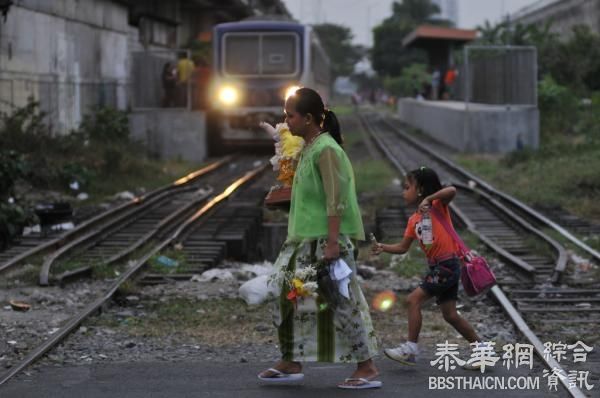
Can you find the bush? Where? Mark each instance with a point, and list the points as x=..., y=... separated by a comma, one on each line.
x=12, y=216
x=558, y=106
x=411, y=81
x=106, y=125
x=72, y=171
x=12, y=166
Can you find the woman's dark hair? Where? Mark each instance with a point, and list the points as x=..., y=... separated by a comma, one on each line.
x=426, y=179
x=308, y=101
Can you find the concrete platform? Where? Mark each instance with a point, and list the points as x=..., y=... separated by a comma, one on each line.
x=171, y=133
x=476, y=128
x=203, y=379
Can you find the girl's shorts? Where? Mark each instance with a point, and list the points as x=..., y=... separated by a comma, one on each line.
x=442, y=280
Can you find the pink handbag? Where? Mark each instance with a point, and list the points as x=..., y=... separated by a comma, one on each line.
x=476, y=275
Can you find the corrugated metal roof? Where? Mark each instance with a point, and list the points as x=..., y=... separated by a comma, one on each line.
x=439, y=33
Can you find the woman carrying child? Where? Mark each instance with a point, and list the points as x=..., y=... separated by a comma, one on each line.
x=422, y=188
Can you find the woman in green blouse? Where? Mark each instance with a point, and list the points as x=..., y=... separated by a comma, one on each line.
x=324, y=221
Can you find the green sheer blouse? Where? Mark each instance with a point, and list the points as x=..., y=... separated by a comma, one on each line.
x=324, y=186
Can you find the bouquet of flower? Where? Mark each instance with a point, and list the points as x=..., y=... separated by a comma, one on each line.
x=303, y=283
x=287, y=151
x=328, y=282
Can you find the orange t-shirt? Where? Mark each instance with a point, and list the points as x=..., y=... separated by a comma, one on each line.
x=450, y=77
x=443, y=244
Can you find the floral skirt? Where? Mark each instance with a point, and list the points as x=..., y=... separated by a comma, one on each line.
x=310, y=330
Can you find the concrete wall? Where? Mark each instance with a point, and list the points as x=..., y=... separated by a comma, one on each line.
x=564, y=14
x=485, y=128
x=68, y=54
x=171, y=133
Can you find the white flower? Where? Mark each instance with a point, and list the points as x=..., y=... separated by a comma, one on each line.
x=311, y=287
x=306, y=274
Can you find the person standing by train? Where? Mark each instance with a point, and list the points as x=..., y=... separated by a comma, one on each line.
x=324, y=220
x=169, y=82
x=185, y=69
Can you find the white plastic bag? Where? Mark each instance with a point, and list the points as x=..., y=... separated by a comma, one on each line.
x=257, y=290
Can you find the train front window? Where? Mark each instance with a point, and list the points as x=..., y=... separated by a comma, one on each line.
x=241, y=56
x=261, y=54
x=278, y=55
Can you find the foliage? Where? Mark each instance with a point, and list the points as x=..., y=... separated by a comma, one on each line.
x=558, y=106
x=389, y=56
x=24, y=130
x=578, y=62
x=12, y=166
x=12, y=216
x=409, y=82
x=106, y=125
x=16, y=133
x=504, y=34
x=337, y=43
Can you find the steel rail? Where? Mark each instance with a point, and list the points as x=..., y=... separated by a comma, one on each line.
x=94, y=306
x=499, y=295
x=513, y=201
x=135, y=245
x=99, y=233
x=562, y=258
x=64, y=238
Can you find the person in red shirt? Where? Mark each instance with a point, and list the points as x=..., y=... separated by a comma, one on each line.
x=449, y=80
x=422, y=188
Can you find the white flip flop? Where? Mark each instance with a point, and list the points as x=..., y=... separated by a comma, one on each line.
x=282, y=377
x=365, y=383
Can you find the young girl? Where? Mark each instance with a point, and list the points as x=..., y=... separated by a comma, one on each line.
x=422, y=188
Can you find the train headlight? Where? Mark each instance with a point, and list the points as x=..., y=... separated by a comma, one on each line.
x=291, y=91
x=228, y=95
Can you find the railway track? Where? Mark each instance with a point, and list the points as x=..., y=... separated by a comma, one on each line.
x=185, y=227
x=121, y=236
x=536, y=288
x=38, y=245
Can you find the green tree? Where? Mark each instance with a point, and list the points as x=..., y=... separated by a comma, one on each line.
x=578, y=62
x=388, y=55
x=490, y=34
x=337, y=43
x=416, y=11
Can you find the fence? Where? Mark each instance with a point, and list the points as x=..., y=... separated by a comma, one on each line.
x=64, y=102
x=498, y=75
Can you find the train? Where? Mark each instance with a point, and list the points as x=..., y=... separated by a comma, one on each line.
x=257, y=64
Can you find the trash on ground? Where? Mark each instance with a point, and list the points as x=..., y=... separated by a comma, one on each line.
x=65, y=226
x=257, y=290
x=53, y=213
x=19, y=305
x=212, y=275
x=36, y=229
x=125, y=195
x=166, y=261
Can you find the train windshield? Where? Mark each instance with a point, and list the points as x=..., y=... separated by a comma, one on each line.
x=261, y=54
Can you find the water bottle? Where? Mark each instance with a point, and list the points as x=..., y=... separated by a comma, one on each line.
x=426, y=230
